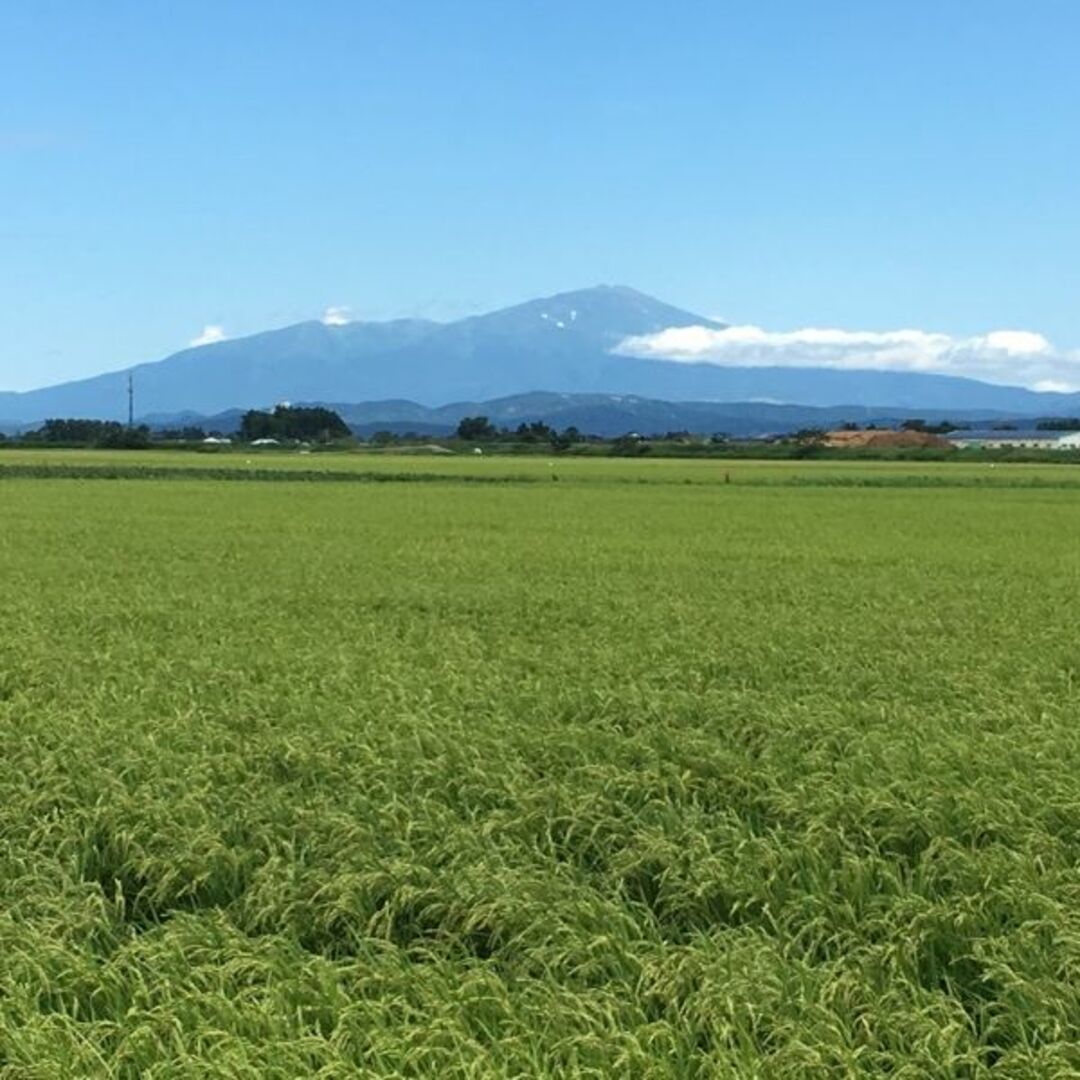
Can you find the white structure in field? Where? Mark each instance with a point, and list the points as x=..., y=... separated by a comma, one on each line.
x=1024, y=439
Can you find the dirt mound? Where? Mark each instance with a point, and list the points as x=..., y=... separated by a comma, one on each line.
x=883, y=439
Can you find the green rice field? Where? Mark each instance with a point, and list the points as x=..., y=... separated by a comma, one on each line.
x=238, y=463
x=520, y=767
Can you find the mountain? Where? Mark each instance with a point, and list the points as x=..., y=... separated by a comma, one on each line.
x=304, y=361
x=563, y=343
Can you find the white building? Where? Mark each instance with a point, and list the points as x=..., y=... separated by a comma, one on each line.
x=1004, y=439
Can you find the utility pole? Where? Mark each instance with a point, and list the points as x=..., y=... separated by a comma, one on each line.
x=131, y=400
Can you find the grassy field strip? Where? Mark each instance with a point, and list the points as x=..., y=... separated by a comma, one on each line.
x=402, y=468
x=123, y=471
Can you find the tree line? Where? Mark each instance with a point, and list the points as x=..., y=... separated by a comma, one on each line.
x=284, y=424
x=481, y=429
x=320, y=425
x=108, y=434
x=294, y=423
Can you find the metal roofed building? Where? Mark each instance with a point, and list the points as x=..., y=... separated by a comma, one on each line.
x=1004, y=439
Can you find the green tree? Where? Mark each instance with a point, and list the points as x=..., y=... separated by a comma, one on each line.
x=476, y=429
x=188, y=433
x=535, y=432
x=258, y=425
x=629, y=445
x=306, y=423
x=564, y=440
x=109, y=434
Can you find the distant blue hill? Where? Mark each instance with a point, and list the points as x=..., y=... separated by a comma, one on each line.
x=597, y=414
x=560, y=344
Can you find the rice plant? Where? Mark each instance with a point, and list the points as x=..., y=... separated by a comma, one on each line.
x=775, y=778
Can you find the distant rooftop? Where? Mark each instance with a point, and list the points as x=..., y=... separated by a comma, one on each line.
x=1005, y=434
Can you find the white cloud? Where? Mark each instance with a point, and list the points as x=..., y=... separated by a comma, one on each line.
x=210, y=335
x=1006, y=357
x=1018, y=342
x=336, y=316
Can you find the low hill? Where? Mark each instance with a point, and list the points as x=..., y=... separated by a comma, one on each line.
x=600, y=414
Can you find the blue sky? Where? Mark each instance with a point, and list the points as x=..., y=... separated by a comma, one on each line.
x=871, y=166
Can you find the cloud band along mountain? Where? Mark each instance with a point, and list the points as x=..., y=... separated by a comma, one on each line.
x=567, y=343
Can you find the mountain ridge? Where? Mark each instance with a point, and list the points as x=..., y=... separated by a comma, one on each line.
x=595, y=414
x=561, y=343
